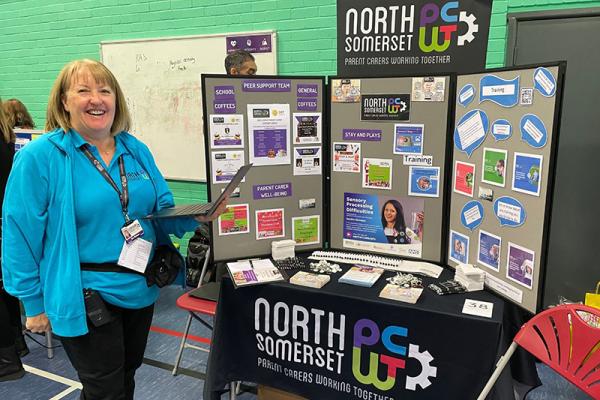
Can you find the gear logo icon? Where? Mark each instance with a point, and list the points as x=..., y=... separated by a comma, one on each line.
x=427, y=370
x=473, y=28
x=403, y=106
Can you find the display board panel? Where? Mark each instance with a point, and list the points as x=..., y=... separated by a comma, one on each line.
x=161, y=81
x=389, y=147
x=278, y=124
x=504, y=145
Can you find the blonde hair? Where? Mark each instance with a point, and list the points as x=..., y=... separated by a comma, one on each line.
x=58, y=117
x=8, y=135
x=17, y=114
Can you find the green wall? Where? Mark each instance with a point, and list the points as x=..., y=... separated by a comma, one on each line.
x=38, y=37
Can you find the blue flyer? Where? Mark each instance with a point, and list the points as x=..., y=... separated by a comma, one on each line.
x=501, y=129
x=424, y=181
x=408, y=138
x=466, y=95
x=504, y=92
x=471, y=214
x=488, y=253
x=544, y=82
x=527, y=173
x=533, y=131
x=509, y=211
x=459, y=248
x=470, y=131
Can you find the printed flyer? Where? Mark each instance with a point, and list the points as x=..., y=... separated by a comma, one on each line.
x=459, y=248
x=408, y=138
x=527, y=173
x=520, y=265
x=488, y=253
x=494, y=167
x=307, y=161
x=269, y=134
x=464, y=177
x=345, y=90
x=424, y=181
x=306, y=230
x=226, y=131
x=428, y=88
x=307, y=128
x=346, y=157
x=225, y=164
x=234, y=220
x=384, y=224
x=270, y=223
x=377, y=173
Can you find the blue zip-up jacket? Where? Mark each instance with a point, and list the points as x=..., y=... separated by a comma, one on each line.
x=40, y=257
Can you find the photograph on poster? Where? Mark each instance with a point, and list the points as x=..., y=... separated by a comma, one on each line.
x=424, y=181
x=234, y=220
x=307, y=160
x=408, y=138
x=520, y=264
x=494, y=166
x=306, y=230
x=269, y=134
x=384, y=224
x=270, y=223
x=226, y=131
x=307, y=127
x=346, y=157
x=486, y=194
x=377, y=173
x=488, y=251
x=304, y=204
x=225, y=164
x=345, y=90
x=459, y=248
x=470, y=131
x=428, y=88
x=527, y=173
x=464, y=178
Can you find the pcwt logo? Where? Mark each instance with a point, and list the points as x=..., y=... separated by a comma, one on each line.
x=443, y=21
x=367, y=334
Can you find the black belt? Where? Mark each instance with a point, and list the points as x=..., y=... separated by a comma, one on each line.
x=107, y=267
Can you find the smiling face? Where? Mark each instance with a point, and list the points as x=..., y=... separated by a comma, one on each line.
x=389, y=213
x=91, y=105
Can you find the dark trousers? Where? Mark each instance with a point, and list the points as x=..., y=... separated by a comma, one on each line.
x=107, y=357
x=10, y=319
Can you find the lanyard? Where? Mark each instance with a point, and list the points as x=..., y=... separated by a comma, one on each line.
x=123, y=196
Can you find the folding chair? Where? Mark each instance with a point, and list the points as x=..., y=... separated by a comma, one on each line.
x=196, y=307
x=567, y=339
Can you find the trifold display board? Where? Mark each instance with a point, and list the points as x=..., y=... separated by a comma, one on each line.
x=505, y=139
x=278, y=125
x=388, y=164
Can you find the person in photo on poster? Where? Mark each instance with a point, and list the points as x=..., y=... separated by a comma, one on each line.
x=394, y=225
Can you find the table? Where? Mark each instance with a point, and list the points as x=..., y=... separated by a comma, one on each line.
x=344, y=342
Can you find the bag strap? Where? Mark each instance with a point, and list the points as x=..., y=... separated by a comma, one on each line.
x=598, y=287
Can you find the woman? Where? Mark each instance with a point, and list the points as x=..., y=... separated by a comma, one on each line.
x=87, y=185
x=394, y=227
x=17, y=114
x=10, y=313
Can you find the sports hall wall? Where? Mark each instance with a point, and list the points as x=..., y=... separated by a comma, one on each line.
x=38, y=38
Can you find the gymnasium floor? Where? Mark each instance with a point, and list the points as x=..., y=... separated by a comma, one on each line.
x=55, y=379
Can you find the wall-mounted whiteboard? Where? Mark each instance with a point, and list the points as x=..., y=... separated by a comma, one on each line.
x=161, y=81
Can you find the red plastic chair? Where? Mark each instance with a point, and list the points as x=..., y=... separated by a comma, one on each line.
x=567, y=339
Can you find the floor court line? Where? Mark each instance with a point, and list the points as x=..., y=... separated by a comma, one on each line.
x=52, y=377
x=64, y=393
x=171, y=332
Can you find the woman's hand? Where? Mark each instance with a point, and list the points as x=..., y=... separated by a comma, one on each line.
x=220, y=210
x=38, y=324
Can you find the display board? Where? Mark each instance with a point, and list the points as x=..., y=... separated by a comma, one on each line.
x=505, y=140
x=389, y=148
x=161, y=81
x=278, y=125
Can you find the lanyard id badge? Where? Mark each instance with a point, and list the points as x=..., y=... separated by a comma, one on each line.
x=132, y=229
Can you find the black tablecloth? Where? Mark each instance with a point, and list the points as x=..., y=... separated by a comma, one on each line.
x=344, y=342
